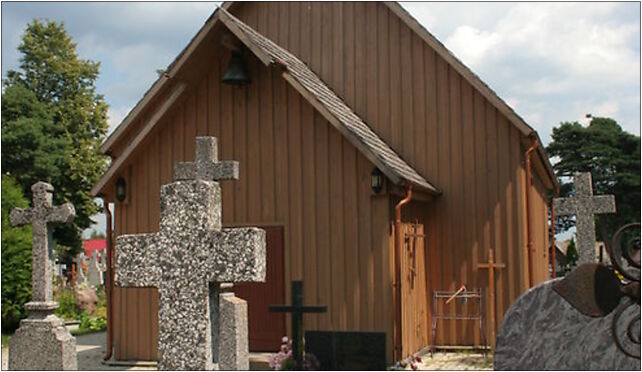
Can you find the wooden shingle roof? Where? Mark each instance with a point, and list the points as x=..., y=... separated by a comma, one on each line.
x=334, y=109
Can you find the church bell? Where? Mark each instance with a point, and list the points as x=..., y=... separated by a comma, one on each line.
x=236, y=73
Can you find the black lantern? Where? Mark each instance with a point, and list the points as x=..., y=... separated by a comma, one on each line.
x=376, y=180
x=236, y=73
x=121, y=190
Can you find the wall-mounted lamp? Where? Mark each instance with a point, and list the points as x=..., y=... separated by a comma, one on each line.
x=236, y=72
x=376, y=180
x=121, y=190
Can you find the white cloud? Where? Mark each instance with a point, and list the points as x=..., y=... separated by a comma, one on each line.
x=115, y=116
x=471, y=44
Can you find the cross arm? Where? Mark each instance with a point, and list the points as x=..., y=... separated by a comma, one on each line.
x=564, y=206
x=238, y=255
x=604, y=204
x=20, y=216
x=137, y=262
x=63, y=213
x=210, y=171
x=494, y=266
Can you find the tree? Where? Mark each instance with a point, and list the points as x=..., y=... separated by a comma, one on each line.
x=16, y=258
x=54, y=122
x=97, y=235
x=613, y=158
x=571, y=254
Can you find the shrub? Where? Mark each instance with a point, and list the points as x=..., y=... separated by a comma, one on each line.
x=67, y=304
x=16, y=259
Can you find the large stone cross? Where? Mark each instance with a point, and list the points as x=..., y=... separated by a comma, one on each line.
x=39, y=215
x=584, y=206
x=188, y=257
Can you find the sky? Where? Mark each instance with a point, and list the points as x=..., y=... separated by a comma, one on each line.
x=551, y=62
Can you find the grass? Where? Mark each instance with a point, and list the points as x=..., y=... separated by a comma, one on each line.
x=5, y=340
x=84, y=331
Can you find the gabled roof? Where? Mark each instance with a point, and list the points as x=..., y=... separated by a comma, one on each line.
x=311, y=87
x=165, y=81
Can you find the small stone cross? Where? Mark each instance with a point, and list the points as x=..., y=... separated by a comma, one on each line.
x=39, y=216
x=206, y=165
x=584, y=205
x=188, y=258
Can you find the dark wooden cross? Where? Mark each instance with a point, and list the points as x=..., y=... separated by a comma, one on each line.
x=297, y=309
x=491, y=266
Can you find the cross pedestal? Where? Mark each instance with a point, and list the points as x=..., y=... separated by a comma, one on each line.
x=297, y=309
x=491, y=266
x=584, y=206
x=188, y=258
x=42, y=341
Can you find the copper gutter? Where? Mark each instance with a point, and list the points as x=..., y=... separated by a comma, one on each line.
x=553, y=249
x=109, y=283
x=529, y=232
x=397, y=285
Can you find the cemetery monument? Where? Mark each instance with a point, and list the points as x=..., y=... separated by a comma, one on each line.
x=584, y=205
x=188, y=259
x=42, y=342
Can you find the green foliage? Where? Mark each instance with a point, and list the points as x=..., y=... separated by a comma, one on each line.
x=571, y=254
x=16, y=258
x=53, y=124
x=5, y=340
x=67, y=304
x=97, y=235
x=612, y=156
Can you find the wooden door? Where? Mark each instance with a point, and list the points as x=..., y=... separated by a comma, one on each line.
x=265, y=328
x=414, y=299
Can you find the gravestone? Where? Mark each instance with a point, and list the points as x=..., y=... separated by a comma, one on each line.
x=42, y=342
x=79, y=262
x=567, y=324
x=94, y=274
x=584, y=206
x=347, y=351
x=188, y=259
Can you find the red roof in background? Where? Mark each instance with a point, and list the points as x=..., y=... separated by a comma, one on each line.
x=94, y=245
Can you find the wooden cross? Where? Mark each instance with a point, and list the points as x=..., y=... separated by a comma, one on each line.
x=491, y=266
x=206, y=165
x=187, y=259
x=39, y=216
x=297, y=309
x=584, y=206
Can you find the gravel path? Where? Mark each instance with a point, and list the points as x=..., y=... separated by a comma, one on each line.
x=456, y=361
x=90, y=349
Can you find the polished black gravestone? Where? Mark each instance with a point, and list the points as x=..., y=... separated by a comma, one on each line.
x=347, y=351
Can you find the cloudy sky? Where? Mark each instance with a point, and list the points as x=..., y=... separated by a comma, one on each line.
x=551, y=62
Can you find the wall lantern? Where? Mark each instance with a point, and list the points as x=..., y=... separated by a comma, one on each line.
x=376, y=180
x=121, y=190
x=236, y=72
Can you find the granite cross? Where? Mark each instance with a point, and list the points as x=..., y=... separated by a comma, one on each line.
x=297, y=309
x=189, y=255
x=491, y=266
x=584, y=205
x=39, y=215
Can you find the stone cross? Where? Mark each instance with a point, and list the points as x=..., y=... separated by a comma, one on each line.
x=42, y=341
x=190, y=255
x=39, y=215
x=94, y=272
x=584, y=205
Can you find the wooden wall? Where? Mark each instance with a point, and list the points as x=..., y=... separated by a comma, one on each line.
x=297, y=171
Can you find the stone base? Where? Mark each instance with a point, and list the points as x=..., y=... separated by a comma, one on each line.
x=234, y=354
x=42, y=344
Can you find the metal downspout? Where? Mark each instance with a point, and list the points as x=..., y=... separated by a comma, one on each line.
x=398, y=243
x=109, y=284
x=529, y=232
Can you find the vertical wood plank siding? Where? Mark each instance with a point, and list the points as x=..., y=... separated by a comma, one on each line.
x=299, y=172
